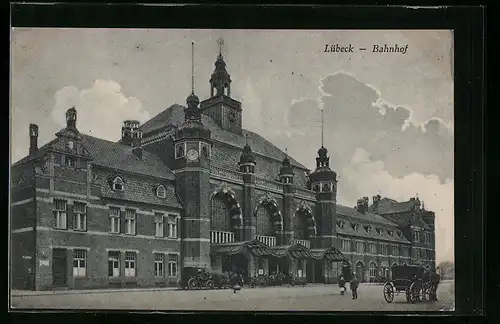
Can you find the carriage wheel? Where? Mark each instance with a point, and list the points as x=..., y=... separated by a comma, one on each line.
x=209, y=284
x=388, y=292
x=191, y=283
x=414, y=293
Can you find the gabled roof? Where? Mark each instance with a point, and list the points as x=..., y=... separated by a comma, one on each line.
x=120, y=157
x=114, y=156
x=390, y=206
x=228, y=145
x=367, y=217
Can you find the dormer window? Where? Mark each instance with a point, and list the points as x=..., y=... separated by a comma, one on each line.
x=161, y=192
x=118, y=184
x=368, y=229
x=341, y=224
x=379, y=231
x=355, y=227
x=391, y=233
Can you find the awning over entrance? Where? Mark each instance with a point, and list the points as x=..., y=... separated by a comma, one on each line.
x=255, y=248
x=331, y=254
x=296, y=251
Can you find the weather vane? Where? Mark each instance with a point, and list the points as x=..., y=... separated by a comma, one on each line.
x=220, y=42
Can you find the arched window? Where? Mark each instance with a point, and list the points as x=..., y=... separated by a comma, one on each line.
x=373, y=271
x=326, y=187
x=219, y=215
x=204, y=152
x=118, y=184
x=180, y=151
x=264, y=221
x=161, y=192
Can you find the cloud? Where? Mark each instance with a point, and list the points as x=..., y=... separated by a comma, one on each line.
x=376, y=147
x=101, y=108
x=363, y=176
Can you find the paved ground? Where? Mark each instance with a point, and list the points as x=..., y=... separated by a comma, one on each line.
x=309, y=298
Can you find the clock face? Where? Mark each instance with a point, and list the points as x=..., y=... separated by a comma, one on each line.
x=192, y=154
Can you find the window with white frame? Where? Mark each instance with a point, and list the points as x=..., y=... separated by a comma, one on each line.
x=114, y=220
x=60, y=213
x=79, y=263
x=159, y=225
x=159, y=265
x=416, y=236
x=172, y=226
x=346, y=245
x=395, y=250
x=373, y=270
x=172, y=265
x=118, y=184
x=113, y=264
x=360, y=247
x=427, y=238
x=80, y=216
x=372, y=248
x=383, y=248
x=161, y=191
x=130, y=222
x=130, y=265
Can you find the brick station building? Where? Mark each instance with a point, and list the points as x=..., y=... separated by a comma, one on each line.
x=192, y=188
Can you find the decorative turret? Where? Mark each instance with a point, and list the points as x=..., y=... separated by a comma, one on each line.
x=33, y=138
x=223, y=109
x=220, y=80
x=247, y=159
x=286, y=170
x=71, y=118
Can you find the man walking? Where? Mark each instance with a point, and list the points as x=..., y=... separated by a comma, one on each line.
x=342, y=285
x=354, y=286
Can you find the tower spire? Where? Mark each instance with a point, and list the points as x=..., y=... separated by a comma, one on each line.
x=192, y=67
x=220, y=42
x=322, y=126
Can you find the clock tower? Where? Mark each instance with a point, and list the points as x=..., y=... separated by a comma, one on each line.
x=223, y=109
x=192, y=147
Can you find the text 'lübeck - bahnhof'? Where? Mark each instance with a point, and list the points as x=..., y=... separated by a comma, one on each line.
x=336, y=48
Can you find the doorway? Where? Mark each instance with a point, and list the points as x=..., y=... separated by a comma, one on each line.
x=29, y=282
x=360, y=271
x=59, y=267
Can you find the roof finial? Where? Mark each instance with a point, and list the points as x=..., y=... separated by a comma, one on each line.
x=322, y=126
x=246, y=139
x=192, y=67
x=286, y=152
x=220, y=42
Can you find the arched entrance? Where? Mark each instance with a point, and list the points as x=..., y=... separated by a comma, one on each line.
x=360, y=270
x=225, y=213
x=269, y=221
x=304, y=223
x=384, y=270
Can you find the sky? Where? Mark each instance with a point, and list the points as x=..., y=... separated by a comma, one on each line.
x=388, y=117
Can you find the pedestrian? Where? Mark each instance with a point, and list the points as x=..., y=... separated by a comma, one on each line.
x=354, y=286
x=342, y=285
x=435, y=279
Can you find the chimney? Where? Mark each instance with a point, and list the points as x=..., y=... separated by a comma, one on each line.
x=33, y=138
x=360, y=206
x=137, y=143
x=130, y=133
x=376, y=200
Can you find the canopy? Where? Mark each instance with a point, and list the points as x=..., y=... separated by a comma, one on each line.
x=254, y=247
x=331, y=254
x=295, y=251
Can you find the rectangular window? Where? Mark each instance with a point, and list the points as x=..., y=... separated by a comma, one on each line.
x=79, y=263
x=130, y=222
x=172, y=265
x=395, y=250
x=172, y=226
x=130, y=264
x=373, y=248
x=114, y=220
x=159, y=265
x=346, y=246
x=68, y=161
x=114, y=264
x=360, y=247
x=417, y=253
x=384, y=249
x=159, y=225
x=60, y=213
x=80, y=216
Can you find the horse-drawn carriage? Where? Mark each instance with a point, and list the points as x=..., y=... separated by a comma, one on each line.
x=200, y=278
x=415, y=282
